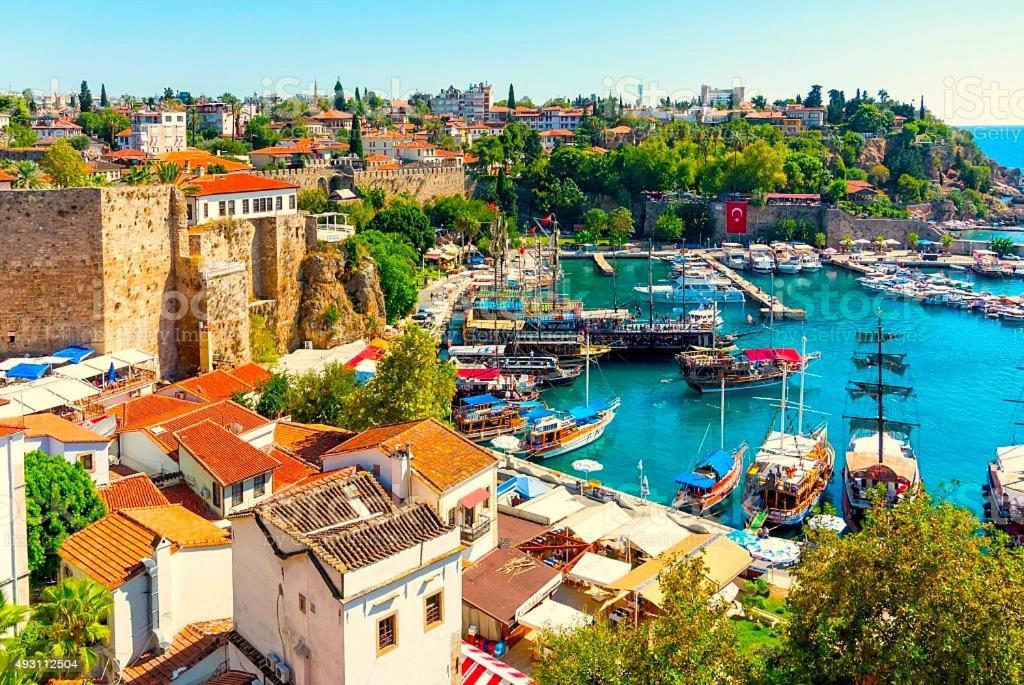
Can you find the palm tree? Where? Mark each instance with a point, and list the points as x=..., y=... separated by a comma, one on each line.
x=74, y=614
x=880, y=242
x=27, y=175
x=169, y=172
x=139, y=175
x=11, y=615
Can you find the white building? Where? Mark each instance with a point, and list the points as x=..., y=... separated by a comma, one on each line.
x=722, y=97
x=336, y=583
x=52, y=129
x=244, y=196
x=219, y=117
x=385, y=143
x=158, y=132
x=59, y=437
x=165, y=568
x=473, y=104
x=425, y=461
x=13, y=536
x=812, y=117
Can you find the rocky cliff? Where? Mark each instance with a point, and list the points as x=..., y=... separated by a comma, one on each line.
x=340, y=301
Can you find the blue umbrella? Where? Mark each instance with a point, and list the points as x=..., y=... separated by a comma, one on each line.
x=111, y=374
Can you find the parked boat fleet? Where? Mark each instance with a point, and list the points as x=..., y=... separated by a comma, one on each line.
x=782, y=258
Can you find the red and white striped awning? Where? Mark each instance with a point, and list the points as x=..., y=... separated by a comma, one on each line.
x=480, y=668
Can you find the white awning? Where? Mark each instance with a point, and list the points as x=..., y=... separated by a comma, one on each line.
x=42, y=395
x=554, y=505
x=132, y=356
x=593, y=523
x=652, y=535
x=555, y=616
x=97, y=366
x=597, y=569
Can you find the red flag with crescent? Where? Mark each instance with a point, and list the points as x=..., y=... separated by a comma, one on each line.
x=547, y=220
x=736, y=217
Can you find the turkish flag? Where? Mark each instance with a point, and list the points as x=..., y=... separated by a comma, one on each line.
x=547, y=220
x=736, y=217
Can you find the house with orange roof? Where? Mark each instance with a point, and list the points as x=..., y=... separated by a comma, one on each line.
x=59, y=437
x=555, y=137
x=52, y=128
x=218, y=384
x=333, y=121
x=616, y=136
x=123, y=139
x=194, y=161
x=152, y=560
x=130, y=492
x=429, y=462
x=240, y=195
x=417, y=151
x=385, y=143
x=13, y=555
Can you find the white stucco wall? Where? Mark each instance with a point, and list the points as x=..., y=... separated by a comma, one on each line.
x=202, y=483
x=71, y=452
x=141, y=453
x=13, y=536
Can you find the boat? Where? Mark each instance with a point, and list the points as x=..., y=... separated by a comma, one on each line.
x=694, y=290
x=545, y=369
x=1004, y=492
x=762, y=259
x=707, y=486
x=719, y=371
x=809, y=259
x=551, y=434
x=879, y=454
x=481, y=380
x=735, y=257
x=986, y=264
x=483, y=417
x=705, y=316
x=789, y=265
x=791, y=470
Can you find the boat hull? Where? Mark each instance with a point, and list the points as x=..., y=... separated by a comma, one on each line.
x=710, y=503
x=585, y=438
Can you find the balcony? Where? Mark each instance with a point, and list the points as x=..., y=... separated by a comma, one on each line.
x=471, y=532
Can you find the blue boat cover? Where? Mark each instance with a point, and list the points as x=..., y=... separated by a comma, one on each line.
x=498, y=305
x=720, y=461
x=538, y=413
x=581, y=413
x=477, y=400
x=74, y=354
x=28, y=372
x=695, y=480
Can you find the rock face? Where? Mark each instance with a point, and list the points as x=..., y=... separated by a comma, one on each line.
x=340, y=302
x=872, y=154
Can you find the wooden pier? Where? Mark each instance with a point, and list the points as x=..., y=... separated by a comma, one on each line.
x=782, y=312
x=602, y=265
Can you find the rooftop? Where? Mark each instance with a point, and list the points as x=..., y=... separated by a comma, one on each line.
x=221, y=184
x=442, y=457
x=53, y=426
x=136, y=490
x=150, y=410
x=224, y=455
x=308, y=441
x=192, y=645
x=224, y=413
x=504, y=580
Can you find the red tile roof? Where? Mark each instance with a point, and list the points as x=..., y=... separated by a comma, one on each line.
x=440, y=455
x=233, y=678
x=193, y=644
x=6, y=430
x=224, y=455
x=308, y=442
x=182, y=494
x=223, y=413
x=291, y=471
x=128, y=154
x=332, y=114
x=212, y=386
x=53, y=426
x=219, y=184
x=251, y=374
x=150, y=410
x=131, y=491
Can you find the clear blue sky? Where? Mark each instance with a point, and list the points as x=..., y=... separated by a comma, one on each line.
x=950, y=52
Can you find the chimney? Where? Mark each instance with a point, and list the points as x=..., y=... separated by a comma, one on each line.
x=404, y=484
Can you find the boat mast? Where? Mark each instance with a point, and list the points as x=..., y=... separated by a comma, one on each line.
x=782, y=409
x=721, y=417
x=554, y=266
x=650, y=286
x=881, y=401
x=771, y=316
x=803, y=375
x=586, y=371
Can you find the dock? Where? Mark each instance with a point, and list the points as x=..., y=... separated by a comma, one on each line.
x=602, y=265
x=782, y=312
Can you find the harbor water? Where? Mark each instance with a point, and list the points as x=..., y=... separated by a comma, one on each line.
x=963, y=368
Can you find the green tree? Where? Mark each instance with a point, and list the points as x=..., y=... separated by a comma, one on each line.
x=60, y=500
x=407, y=221
x=396, y=262
x=410, y=383
x=340, y=103
x=85, y=98
x=910, y=190
x=868, y=610
x=262, y=342
x=79, y=142
x=259, y=134
x=668, y=226
x=620, y=226
x=1002, y=246
x=511, y=97
x=488, y=150
x=820, y=240
x=104, y=102
x=759, y=102
x=355, y=141
x=74, y=616
x=327, y=397
x=64, y=165
x=879, y=175
x=313, y=200
x=20, y=135
x=913, y=240
x=274, y=396
x=813, y=98
x=835, y=191
x=27, y=175
x=947, y=241
x=595, y=223
x=691, y=643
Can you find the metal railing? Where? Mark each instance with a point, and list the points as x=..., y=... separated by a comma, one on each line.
x=472, y=532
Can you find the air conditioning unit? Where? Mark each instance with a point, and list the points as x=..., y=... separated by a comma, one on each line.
x=307, y=344
x=273, y=660
x=283, y=672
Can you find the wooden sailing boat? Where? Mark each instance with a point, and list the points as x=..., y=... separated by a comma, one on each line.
x=714, y=479
x=879, y=454
x=791, y=470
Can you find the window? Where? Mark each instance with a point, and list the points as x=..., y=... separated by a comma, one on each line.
x=291, y=202
x=302, y=603
x=376, y=470
x=433, y=611
x=86, y=461
x=279, y=203
x=231, y=207
x=387, y=634
x=206, y=210
x=245, y=206
x=236, y=494
x=259, y=484
x=216, y=495
x=220, y=208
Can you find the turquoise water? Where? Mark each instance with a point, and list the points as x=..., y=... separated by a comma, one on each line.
x=986, y=235
x=963, y=367
x=1005, y=144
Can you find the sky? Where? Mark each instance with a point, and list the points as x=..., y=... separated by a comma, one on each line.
x=965, y=59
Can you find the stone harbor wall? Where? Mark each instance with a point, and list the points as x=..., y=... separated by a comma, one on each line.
x=423, y=183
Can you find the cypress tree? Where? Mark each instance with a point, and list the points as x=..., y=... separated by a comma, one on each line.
x=85, y=98
x=922, y=107
x=511, y=97
x=358, y=96
x=104, y=102
x=339, y=97
x=355, y=141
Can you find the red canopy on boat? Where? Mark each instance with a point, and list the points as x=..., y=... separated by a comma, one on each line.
x=762, y=354
x=479, y=374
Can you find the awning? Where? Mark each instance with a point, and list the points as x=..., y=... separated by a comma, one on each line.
x=480, y=668
x=474, y=498
x=478, y=374
x=74, y=353
x=553, y=506
x=581, y=413
x=593, y=523
x=695, y=480
x=480, y=400
x=555, y=616
x=27, y=371
x=598, y=569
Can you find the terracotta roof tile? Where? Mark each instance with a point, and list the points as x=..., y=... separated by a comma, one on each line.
x=212, y=386
x=192, y=159
x=308, y=442
x=291, y=471
x=6, y=431
x=194, y=643
x=150, y=410
x=251, y=374
x=182, y=494
x=220, y=184
x=224, y=455
x=53, y=426
x=131, y=491
x=440, y=455
x=233, y=678
x=223, y=413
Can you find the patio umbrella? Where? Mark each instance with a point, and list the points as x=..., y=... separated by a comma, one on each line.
x=586, y=465
x=830, y=250
x=111, y=374
x=826, y=522
x=890, y=241
x=505, y=443
x=861, y=241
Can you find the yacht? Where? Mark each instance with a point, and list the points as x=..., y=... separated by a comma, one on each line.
x=694, y=290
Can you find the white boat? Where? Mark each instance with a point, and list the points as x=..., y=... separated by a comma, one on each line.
x=762, y=260
x=705, y=317
x=702, y=290
x=810, y=262
x=789, y=265
x=735, y=257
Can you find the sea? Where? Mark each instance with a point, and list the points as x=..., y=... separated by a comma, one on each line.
x=1005, y=144
x=967, y=373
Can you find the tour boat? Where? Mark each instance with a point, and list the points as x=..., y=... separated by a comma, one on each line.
x=735, y=257
x=1004, y=492
x=708, y=485
x=484, y=417
x=481, y=380
x=879, y=453
x=717, y=371
x=791, y=470
x=703, y=290
x=545, y=369
x=789, y=265
x=762, y=260
x=986, y=264
x=705, y=316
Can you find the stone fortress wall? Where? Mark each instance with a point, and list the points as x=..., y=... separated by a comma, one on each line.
x=422, y=182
